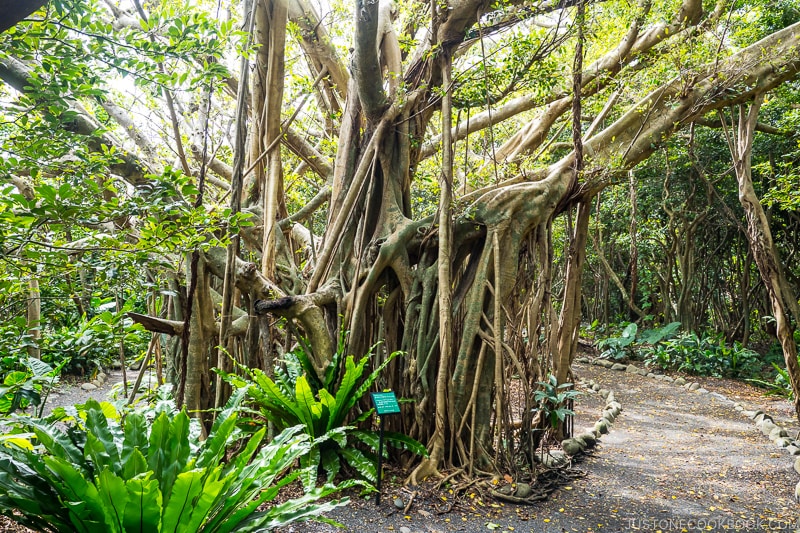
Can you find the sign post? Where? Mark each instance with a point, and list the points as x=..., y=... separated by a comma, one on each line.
x=385, y=404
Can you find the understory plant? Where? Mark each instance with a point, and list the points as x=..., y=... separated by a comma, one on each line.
x=91, y=344
x=706, y=355
x=28, y=385
x=112, y=473
x=780, y=384
x=631, y=339
x=326, y=410
x=617, y=347
x=552, y=400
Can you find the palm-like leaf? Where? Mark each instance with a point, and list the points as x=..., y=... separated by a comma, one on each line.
x=160, y=482
x=363, y=465
x=323, y=412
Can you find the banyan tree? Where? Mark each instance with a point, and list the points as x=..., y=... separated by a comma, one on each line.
x=422, y=180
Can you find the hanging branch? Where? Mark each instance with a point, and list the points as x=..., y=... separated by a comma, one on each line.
x=577, y=84
x=183, y=363
x=445, y=283
x=570, y=311
x=237, y=179
x=277, y=15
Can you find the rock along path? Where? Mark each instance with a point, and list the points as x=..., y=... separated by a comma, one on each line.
x=674, y=460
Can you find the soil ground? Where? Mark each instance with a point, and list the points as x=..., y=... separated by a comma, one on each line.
x=69, y=391
x=673, y=461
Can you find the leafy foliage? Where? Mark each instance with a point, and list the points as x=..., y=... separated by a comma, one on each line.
x=324, y=408
x=106, y=473
x=780, y=384
x=707, y=356
x=622, y=346
x=94, y=342
x=616, y=347
x=552, y=400
x=25, y=387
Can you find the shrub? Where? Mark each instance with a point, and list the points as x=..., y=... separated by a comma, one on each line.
x=324, y=408
x=617, y=347
x=25, y=386
x=552, y=400
x=780, y=384
x=112, y=474
x=706, y=356
x=94, y=343
x=624, y=345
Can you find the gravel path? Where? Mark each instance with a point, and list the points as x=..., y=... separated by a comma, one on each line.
x=673, y=461
x=71, y=393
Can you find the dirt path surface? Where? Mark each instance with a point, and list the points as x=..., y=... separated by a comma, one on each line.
x=674, y=461
x=70, y=392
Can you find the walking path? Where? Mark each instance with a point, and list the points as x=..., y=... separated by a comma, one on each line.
x=674, y=461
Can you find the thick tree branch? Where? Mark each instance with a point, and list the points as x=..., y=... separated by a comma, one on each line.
x=318, y=162
x=758, y=68
x=315, y=203
x=15, y=10
x=307, y=309
x=156, y=324
x=366, y=66
x=129, y=167
x=763, y=128
x=646, y=125
x=317, y=44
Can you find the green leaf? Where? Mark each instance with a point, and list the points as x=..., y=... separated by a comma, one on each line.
x=178, y=508
x=38, y=367
x=244, y=457
x=114, y=496
x=143, y=508
x=360, y=463
x=278, y=408
x=135, y=440
x=345, y=399
x=329, y=460
x=58, y=444
x=134, y=465
x=328, y=404
x=399, y=440
x=213, y=448
x=310, y=463
x=168, y=449
x=80, y=496
x=212, y=487
x=31, y=495
x=295, y=510
x=655, y=336
x=100, y=444
x=307, y=405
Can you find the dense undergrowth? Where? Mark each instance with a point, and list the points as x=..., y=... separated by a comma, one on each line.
x=150, y=466
x=702, y=354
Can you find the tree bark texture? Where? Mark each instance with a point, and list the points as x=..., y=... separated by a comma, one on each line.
x=759, y=234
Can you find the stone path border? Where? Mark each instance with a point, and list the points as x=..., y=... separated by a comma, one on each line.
x=587, y=438
x=764, y=422
x=96, y=383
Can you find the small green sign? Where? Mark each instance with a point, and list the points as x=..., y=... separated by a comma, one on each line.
x=385, y=403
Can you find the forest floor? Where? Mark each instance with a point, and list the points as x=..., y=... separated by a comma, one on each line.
x=673, y=461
